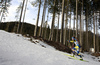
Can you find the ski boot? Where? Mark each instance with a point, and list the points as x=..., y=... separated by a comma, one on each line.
x=81, y=57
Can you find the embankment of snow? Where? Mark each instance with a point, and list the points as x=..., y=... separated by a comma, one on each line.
x=18, y=50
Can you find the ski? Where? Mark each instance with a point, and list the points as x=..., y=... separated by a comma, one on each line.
x=75, y=58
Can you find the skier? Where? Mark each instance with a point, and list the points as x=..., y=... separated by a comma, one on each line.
x=76, y=48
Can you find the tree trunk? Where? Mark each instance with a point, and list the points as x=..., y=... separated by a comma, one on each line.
x=98, y=48
x=70, y=25
x=97, y=36
x=19, y=24
x=57, y=27
x=87, y=44
x=43, y=23
x=81, y=29
x=2, y=9
x=74, y=25
x=62, y=24
x=35, y=32
x=66, y=24
x=0, y=12
x=52, y=25
x=94, y=34
x=40, y=34
x=45, y=32
x=7, y=28
x=24, y=17
x=1, y=17
x=15, y=27
x=76, y=18
x=65, y=30
x=80, y=32
x=45, y=36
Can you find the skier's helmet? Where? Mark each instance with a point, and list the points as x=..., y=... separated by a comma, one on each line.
x=73, y=38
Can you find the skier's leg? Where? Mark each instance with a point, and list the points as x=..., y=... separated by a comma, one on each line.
x=79, y=55
x=73, y=51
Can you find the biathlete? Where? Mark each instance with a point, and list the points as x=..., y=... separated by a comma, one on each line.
x=77, y=47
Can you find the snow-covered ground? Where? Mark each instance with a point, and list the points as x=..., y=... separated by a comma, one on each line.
x=18, y=50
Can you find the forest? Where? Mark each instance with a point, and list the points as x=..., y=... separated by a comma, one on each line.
x=79, y=18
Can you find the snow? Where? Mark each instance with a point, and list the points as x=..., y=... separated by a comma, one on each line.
x=18, y=50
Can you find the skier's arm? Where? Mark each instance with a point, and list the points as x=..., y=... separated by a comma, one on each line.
x=71, y=41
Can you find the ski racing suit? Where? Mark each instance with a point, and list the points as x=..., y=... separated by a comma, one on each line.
x=77, y=48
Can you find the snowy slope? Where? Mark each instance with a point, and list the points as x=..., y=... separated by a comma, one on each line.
x=17, y=50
